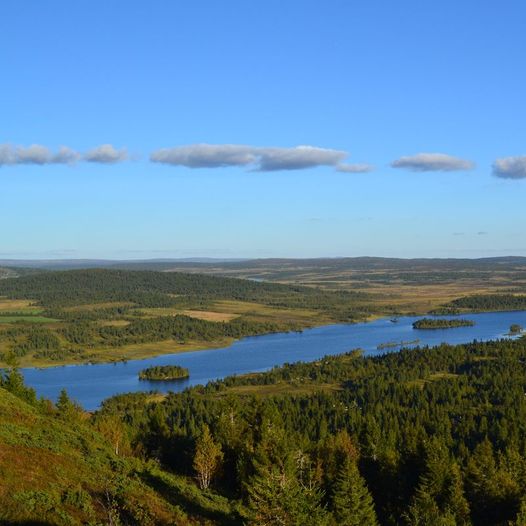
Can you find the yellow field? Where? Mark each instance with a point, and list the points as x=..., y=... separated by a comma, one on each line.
x=192, y=313
x=260, y=312
x=7, y=305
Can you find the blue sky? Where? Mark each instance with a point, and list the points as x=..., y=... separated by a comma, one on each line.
x=363, y=83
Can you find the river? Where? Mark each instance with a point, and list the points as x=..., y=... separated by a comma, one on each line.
x=91, y=384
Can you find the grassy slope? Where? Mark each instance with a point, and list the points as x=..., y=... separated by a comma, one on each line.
x=54, y=472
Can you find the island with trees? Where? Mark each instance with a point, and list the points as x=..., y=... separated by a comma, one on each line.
x=164, y=373
x=441, y=323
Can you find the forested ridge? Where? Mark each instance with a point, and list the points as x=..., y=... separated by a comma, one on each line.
x=158, y=289
x=429, y=436
x=436, y=436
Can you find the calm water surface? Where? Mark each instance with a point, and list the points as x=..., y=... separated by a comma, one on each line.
x=91, y=384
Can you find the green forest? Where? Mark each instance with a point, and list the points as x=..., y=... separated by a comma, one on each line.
x=100, y=315
x=429, y=436
x=109, y=315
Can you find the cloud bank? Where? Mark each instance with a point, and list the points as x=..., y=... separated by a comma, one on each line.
x=262, y=159
x=37, y=154
x=433, y=162
x=510, y=167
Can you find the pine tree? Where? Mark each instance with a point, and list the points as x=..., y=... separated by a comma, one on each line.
x=352, y=503
x=67, y=409
x=424, y=511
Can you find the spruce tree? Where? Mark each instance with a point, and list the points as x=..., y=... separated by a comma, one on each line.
x=351, y=502
x=277, y=496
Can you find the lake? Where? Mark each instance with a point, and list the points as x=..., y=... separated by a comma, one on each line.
x=91, y=384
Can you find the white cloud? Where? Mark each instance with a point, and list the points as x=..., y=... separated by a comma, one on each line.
x=510, y=167
x=66, y=155
x=106, y=154
x=205, y=155
x=354, y=168
x=298, y=158
x=258, y=158
x=7, y=154
x=433, y=162
x=36, y=154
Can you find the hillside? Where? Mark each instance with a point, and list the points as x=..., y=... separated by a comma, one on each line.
x=427, y=436
x=59, y=468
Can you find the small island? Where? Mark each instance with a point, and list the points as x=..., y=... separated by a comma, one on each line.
x=164, y=373
x=440, y=323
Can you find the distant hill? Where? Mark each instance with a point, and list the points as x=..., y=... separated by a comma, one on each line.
x=351, y=263
x=67, y=264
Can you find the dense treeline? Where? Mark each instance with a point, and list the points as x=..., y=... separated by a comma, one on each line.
x=441, y=323
x=167, y=289
x=183, y=329
x=490, y=302
x=420, y=437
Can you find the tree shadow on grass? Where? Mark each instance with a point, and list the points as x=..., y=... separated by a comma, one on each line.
x=192, y=501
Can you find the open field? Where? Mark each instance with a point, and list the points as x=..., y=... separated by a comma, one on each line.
x=13, y=305
x=214, y=315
